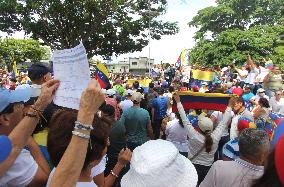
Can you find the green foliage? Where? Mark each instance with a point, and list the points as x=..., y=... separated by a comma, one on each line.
x=20, y=50
x=239, y=27
x=105, y=27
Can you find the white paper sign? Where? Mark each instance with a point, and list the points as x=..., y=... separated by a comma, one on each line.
x=71, y=67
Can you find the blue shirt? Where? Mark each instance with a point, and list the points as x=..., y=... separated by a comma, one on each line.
x=231, y=149
x=247, y=96
x=160, y=104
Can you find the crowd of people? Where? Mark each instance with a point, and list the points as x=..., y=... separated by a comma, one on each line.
x=128, y=134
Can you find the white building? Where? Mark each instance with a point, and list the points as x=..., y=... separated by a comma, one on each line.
x=139, y=65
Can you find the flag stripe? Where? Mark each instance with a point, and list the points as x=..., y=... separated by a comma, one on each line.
x=202, y=105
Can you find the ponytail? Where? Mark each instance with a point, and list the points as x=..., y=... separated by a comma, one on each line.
x=208, y=141
x=180, y=120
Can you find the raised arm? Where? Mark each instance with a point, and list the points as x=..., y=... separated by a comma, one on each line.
x=25, y=128
x=71, y=164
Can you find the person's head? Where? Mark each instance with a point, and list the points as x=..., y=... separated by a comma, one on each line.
x=136, y=98
x=244, y=67
x=39, y=73
x=160, y=90
x=273, y=175
x=247, y=89
x=171, y=89
x=12, y=108
x=278, y=95
x=206, y=127
x=135, y=85
x=141, y=90
x=156, y=163
x=110, y=93
x=205, y=85
x=263, y=102
x=60, y=134
x=128, y=94
x=107, y=111
x=261, y=92
x=151, y=85
x=254, y=145
x=235, y=82
x=276, y=70
x=238, y=105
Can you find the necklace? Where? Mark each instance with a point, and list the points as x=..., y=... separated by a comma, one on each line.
x=248, y=166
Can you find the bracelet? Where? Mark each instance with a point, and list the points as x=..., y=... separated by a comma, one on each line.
x=113, y=174
x=39, y=113
x=81, y=126
x=81, y=135
x=31, y=115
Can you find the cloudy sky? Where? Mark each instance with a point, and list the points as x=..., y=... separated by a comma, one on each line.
x=169, y=47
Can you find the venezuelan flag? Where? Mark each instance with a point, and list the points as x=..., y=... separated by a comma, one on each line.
x=269, y=64
x=196, y=100
x=102, y=75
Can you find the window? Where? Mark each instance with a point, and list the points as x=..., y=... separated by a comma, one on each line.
x=134, y=63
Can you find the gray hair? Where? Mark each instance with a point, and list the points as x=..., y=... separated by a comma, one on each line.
x=253, y=143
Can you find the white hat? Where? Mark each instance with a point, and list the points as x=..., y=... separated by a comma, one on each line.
x=205, y=83
x=158, y=163
x=129, y=92
x=224, y=69
x=205, y=124
x=110, y=92
x=260, y=90
x=137, y=96
x=104, y=91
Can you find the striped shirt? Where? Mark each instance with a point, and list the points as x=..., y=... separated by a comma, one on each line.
x=231, y=149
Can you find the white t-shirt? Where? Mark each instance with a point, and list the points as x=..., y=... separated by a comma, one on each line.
x=126, y=104
x=243, y=73
x=219, y=117
x=100, y=168
x=22, y=172
x=263, y=72
x=251, y=77
x=276, y=105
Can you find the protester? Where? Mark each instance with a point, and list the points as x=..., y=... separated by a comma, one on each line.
x=137, y=123
x=159, y=111
x=254, y=147
x=277, y=101
x=273, y=175
x=203, y=144
x=240, y=111
x=110, y=99
x=231, y=148
x=273, y=81
x=127, y=103
x=20, y=168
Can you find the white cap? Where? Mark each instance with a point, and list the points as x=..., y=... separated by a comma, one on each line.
x=205, y=124
x=260, y=90
x=129, y=92
x=205, y=83
x=137, y=96
x=158, y=163
x=104, y=91
x=110, y=92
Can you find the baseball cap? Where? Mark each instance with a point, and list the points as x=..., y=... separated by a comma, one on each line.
x=260, y=90
x=110, y=92
x=13, y=96
x=36, y=71
x=137, y=96
x=128, y=92
x=205, y=83
x=205, y=123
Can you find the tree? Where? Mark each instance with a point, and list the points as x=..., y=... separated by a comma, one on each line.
x=105, y=27
x=19, y=50
x=235, y=28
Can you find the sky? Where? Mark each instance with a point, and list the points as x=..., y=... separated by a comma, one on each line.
x=168, y=48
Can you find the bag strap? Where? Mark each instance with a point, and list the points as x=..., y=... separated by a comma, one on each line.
x=198, y=152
